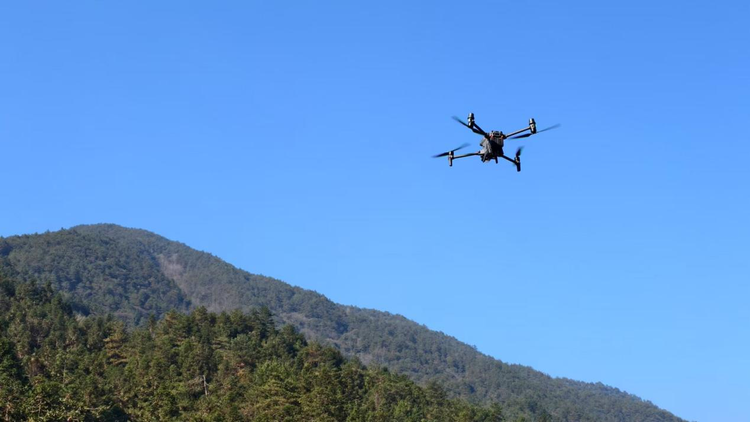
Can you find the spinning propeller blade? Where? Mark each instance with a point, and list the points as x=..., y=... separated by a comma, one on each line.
x=474, y=129
x=526, y=135
x=518, y=152
x=448, y=152
x=460, y=121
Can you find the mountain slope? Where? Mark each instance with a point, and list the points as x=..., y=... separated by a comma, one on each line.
x=132, y=273
x=200, y=367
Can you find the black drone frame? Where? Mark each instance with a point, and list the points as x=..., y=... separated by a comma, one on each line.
x=496, y=138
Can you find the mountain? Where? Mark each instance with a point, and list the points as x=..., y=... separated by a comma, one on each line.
x=198, y=366
x=134, y=273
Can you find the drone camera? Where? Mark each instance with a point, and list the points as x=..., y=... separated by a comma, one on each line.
x=532, y=125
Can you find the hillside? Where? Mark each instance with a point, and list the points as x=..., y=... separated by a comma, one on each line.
x=133, y=273
x=199, y=366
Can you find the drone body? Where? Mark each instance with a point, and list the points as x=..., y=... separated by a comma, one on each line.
x=493, y=142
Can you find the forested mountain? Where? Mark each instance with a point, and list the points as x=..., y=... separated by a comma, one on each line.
x=200, y=366
x=134, y=274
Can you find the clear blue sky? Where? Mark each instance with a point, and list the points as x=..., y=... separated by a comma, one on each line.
x=293, y=139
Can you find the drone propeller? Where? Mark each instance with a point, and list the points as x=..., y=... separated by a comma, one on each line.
x=526, y=135
x=517, y=160
x=460, y=121
x=450, y=152
x=474, y=129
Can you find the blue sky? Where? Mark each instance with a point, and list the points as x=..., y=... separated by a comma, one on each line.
x=293, y=139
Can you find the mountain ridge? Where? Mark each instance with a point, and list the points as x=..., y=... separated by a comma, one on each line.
x=93, y=263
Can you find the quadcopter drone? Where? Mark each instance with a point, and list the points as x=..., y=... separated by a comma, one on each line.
x=492, y=143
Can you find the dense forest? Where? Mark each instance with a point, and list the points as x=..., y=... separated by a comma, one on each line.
x=134, y=275
x=200, y=366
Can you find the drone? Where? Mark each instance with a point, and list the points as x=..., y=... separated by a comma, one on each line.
x=492, y=143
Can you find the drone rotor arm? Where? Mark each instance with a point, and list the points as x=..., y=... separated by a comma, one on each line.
x=467, y=155
x=476, y=129
x=526, y=135
x=451, y=151
x=511, y=135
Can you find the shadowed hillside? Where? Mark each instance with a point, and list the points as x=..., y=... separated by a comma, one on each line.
x=134, y=273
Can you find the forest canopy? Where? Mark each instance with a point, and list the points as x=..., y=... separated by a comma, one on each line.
x=197, y=366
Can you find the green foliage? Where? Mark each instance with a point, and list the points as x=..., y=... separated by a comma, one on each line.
x=139, y=277
x=199, y=366
x=96, y=274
